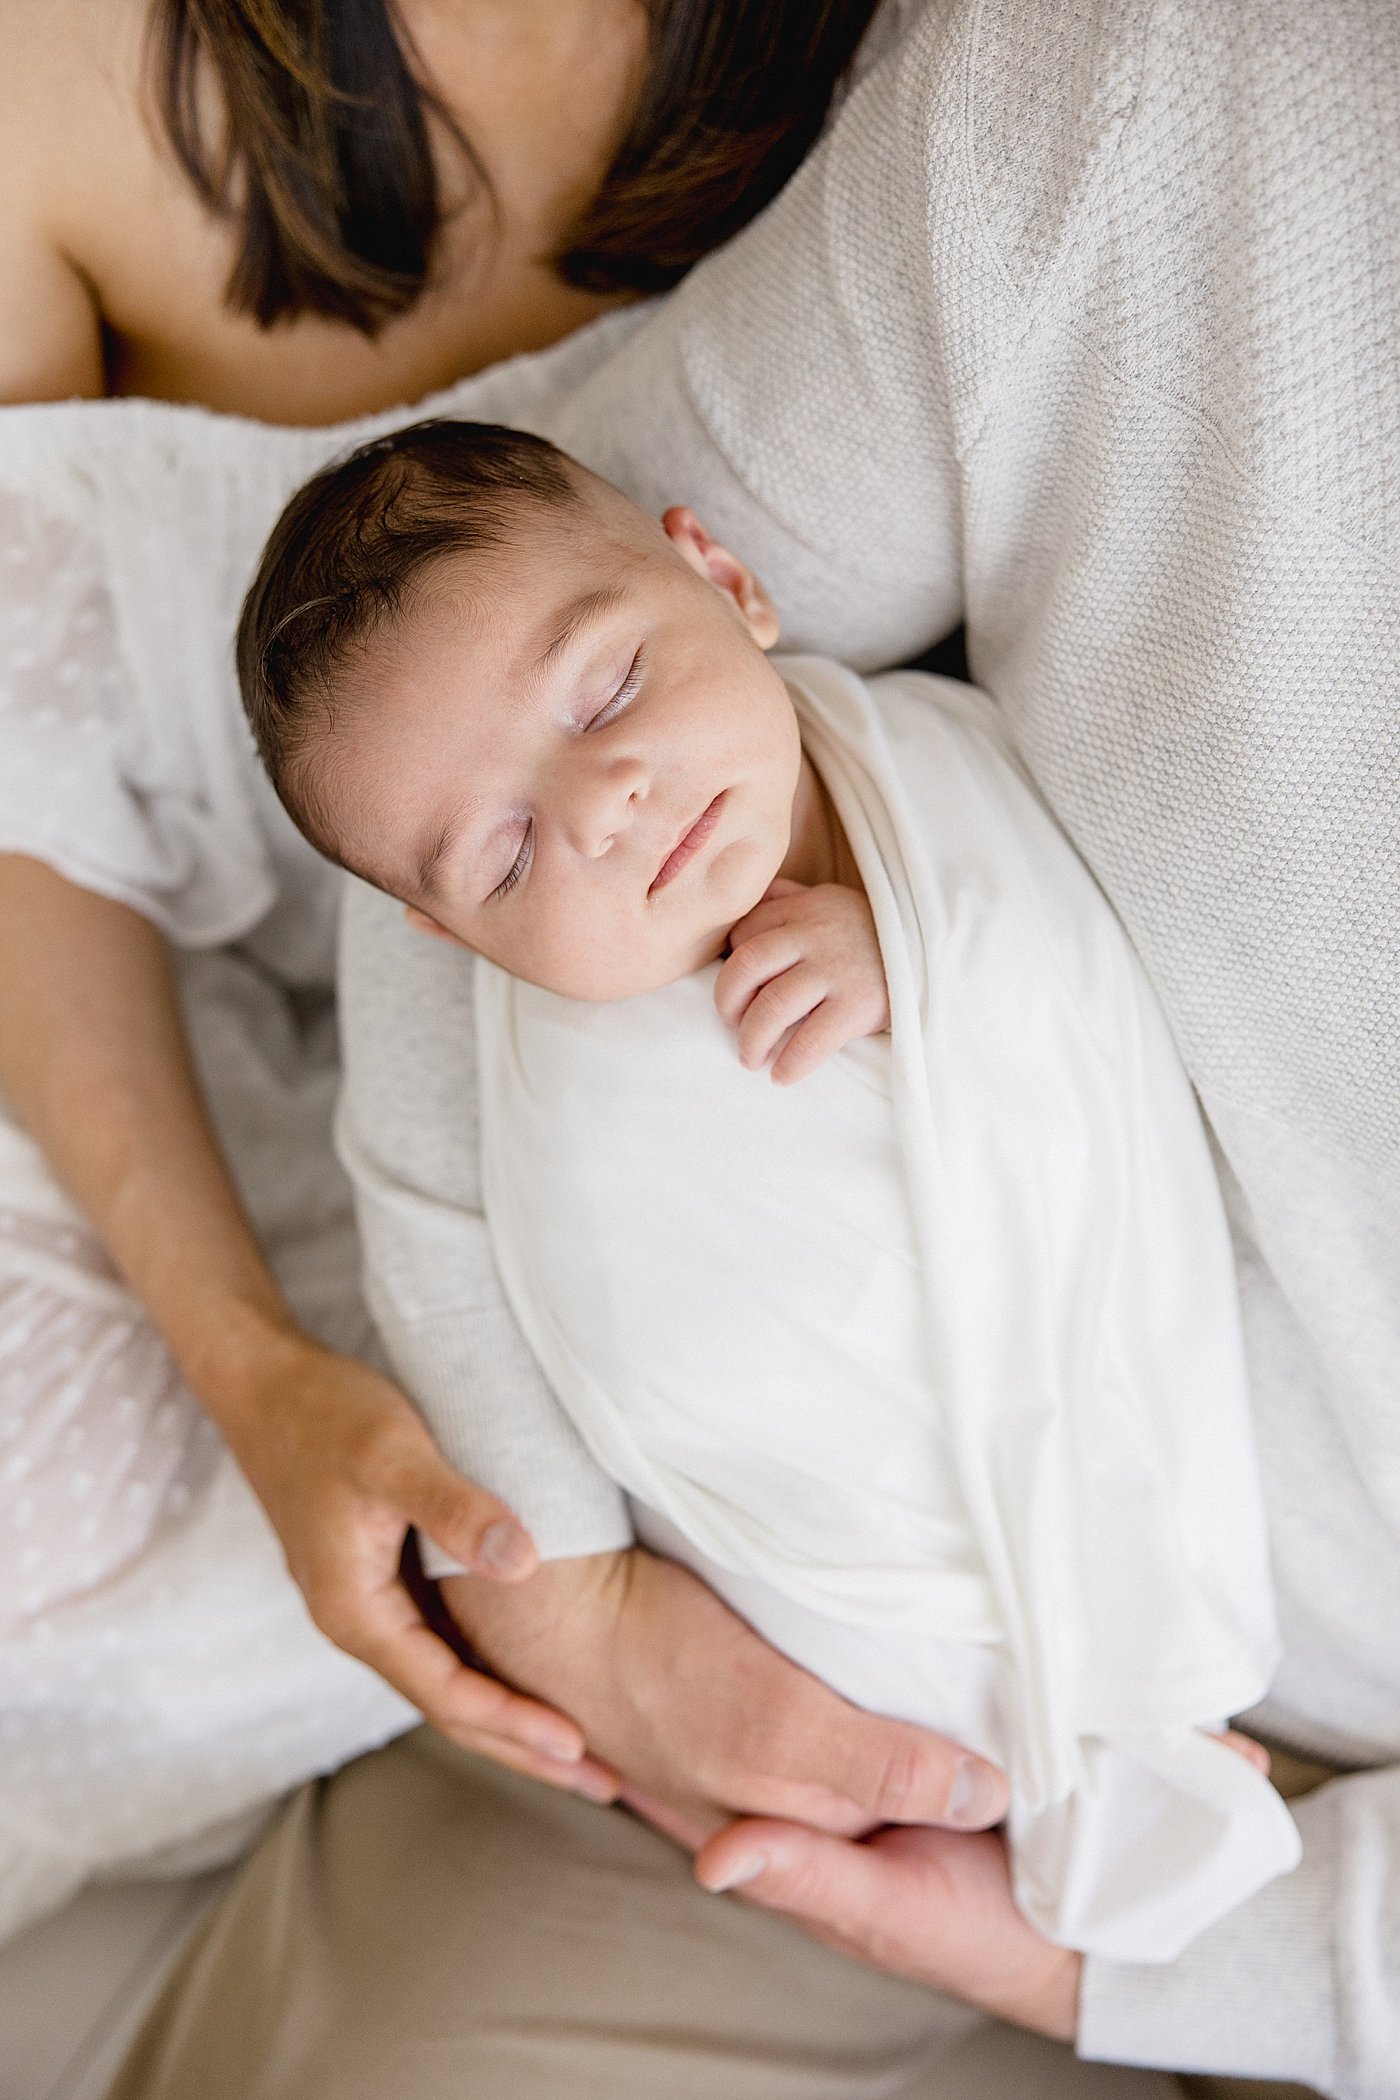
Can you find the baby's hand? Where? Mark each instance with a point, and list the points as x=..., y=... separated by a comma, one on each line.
x=804, y=978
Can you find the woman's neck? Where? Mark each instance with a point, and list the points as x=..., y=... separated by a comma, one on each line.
x=818, y=849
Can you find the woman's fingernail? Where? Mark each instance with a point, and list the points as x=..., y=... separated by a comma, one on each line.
x=746, y=1868
x=560, y=1744
x=504, y=1549
x=593, y=1786
x=976, y=1797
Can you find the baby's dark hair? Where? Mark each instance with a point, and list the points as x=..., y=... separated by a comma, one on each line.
x=341, y=562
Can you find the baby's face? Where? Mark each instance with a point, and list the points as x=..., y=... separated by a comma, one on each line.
x=571, y=753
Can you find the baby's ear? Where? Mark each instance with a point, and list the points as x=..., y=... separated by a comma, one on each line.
x=421, y=923
x=725, y=571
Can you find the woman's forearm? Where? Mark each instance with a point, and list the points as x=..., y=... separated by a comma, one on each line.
x=95, y=1064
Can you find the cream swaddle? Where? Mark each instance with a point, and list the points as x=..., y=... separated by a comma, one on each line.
x=930, y=1364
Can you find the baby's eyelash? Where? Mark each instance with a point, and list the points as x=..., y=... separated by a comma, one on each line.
x=625, y=692
x=522, y=862
x=611, y=707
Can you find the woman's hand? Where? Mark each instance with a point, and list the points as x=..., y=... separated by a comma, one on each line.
x=932, y=1905
x=927, y=1904
x=700, y=1716
x=343, y=1466
x=95, y=1063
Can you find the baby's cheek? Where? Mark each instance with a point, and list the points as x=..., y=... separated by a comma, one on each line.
x=741, y=874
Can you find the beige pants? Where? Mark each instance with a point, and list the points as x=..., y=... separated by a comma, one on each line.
x=427, y=1927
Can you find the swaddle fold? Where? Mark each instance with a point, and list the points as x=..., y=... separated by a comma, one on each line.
x=930, y=1364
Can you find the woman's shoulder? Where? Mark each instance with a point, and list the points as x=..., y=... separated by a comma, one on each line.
x=99, y=228
x=69, y=68
x=66, y=61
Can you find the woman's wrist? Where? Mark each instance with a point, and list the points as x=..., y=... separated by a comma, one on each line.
x=237, y=1351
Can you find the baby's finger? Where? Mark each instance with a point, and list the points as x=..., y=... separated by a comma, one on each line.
x=778, y=1006
x=827, y=1029
x=766, y=955
x=774, y=908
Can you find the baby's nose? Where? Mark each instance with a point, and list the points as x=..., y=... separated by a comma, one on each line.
x=603, y=804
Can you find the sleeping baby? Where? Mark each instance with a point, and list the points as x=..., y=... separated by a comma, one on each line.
x=929, y=1364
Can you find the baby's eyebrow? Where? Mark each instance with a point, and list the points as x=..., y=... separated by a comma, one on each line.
x=581, y=612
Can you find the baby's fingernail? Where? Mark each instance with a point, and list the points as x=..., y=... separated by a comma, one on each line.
x=746, y=1868
x=504, y=1550
x=977, y=1796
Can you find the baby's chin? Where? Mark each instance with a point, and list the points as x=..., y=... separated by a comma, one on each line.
x=605, y=981
x=611, y=971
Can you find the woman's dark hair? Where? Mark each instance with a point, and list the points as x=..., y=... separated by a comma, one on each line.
x=328, y=153
x=342, y=562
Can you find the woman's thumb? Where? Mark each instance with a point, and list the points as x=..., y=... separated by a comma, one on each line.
x=463, y=1520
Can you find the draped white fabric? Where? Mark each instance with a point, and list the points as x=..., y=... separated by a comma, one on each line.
x=932, y=1362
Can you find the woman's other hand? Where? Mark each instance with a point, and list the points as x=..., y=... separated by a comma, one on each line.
x=700, y=1716
x=927, y=1904
x=95, y=1064
x=343, y=1466
x=932, y=1905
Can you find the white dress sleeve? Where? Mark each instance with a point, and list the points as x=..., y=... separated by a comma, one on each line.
x=127, y=534
x=88, y=781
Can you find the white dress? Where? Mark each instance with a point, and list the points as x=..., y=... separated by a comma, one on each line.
x=160, y=1680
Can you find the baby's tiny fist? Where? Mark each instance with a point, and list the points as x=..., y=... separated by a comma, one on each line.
x=804, y=978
